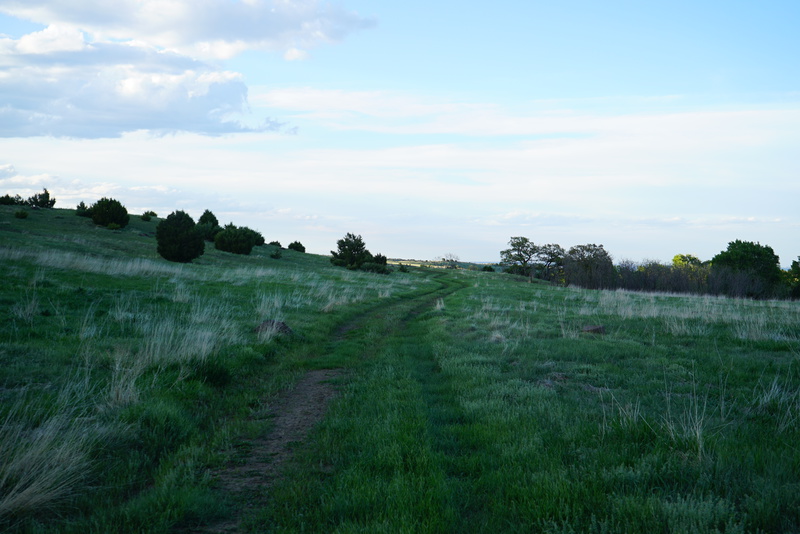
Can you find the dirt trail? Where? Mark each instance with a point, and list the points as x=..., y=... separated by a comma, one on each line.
x=295, y=414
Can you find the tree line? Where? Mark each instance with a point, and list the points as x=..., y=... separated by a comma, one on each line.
x=745, y=269
x=179, y=238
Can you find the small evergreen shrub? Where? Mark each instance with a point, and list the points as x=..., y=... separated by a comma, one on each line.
x=148, y=215
x=21, y=214
x=276, y=244
x=107, y=210
x=402, y=268
x=8, y=200
x=372, y=267
x=276, y=254
x=235, y=240
x=113, y=226
x=82, y=210
x=209, y=231
x=178, y=238
x=297, y=246
x=254, y=236
x=41, y=200
x=208, y=226
x=208, y=218
x=487, y=269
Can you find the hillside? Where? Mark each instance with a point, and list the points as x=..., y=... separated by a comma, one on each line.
x=139, y=395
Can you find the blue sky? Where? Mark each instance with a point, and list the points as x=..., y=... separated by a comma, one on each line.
x=653, y=128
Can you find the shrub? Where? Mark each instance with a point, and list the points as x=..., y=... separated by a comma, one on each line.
x=255, y=237
x=21, y=214
x=402, y=268
x=297, y=246
x=236, y=240
x=178, y=238
x=148, y=215
x=82, y=210
x=113, y=226
x=351, y=253
x=208, y=218
x=208, y=231
x=8, y=200
x=746, y=269
x=41, y=200
x=487, y=269
x=107, y=210
x=372, y=267
x=276, y=254
x=276, y=244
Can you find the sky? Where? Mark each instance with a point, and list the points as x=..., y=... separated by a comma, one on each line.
x=652, y=128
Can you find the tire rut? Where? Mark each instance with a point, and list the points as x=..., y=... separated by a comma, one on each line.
x=297, y=412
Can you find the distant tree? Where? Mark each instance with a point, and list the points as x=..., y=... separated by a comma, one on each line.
x=589, y=266
x=8, y=200
x=518, y=258
x=451, y=260
x=551, y=262
x=254, y=235
x=689, y=274
x=297, y=246
x=41, y=200
x=107, y=211
x=178, y=238
x=487, y=269
x=793, y=279
x=237, y=240
x=208, y=226
x=276, y=244
x=82, y=210
x=351, y=252
x=208, y=218
x=148, y=215
x=746, y=269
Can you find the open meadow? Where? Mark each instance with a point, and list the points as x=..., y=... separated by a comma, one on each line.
x=135, y=392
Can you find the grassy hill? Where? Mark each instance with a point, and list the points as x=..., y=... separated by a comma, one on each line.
x=135, y=395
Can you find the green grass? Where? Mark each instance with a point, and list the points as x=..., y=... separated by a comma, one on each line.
x=471, y=402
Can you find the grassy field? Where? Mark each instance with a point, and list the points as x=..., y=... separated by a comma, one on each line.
x=467, y=401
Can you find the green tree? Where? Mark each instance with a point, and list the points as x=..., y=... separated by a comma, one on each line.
x=208, y=226
x=297, y=246
x=237, y=240
x=82, y=210
x=351, y=252
x=518, y=258
x=793, y=279
x=551, y=262
x=746, y=269
x=589, y=266
x=8, y=200
x=109, y=211
x=208, y=218
x=41, y=200
x=178, y=238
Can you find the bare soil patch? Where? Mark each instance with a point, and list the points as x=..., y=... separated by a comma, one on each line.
x=294, y=415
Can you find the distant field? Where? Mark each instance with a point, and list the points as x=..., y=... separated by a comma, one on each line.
x=135, y=396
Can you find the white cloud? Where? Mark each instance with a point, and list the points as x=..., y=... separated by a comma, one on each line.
x=295, y=54
x=54, y=38
x=100, y=69
x=200, y=28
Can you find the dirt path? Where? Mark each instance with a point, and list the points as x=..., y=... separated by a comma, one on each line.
x=295, y=414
